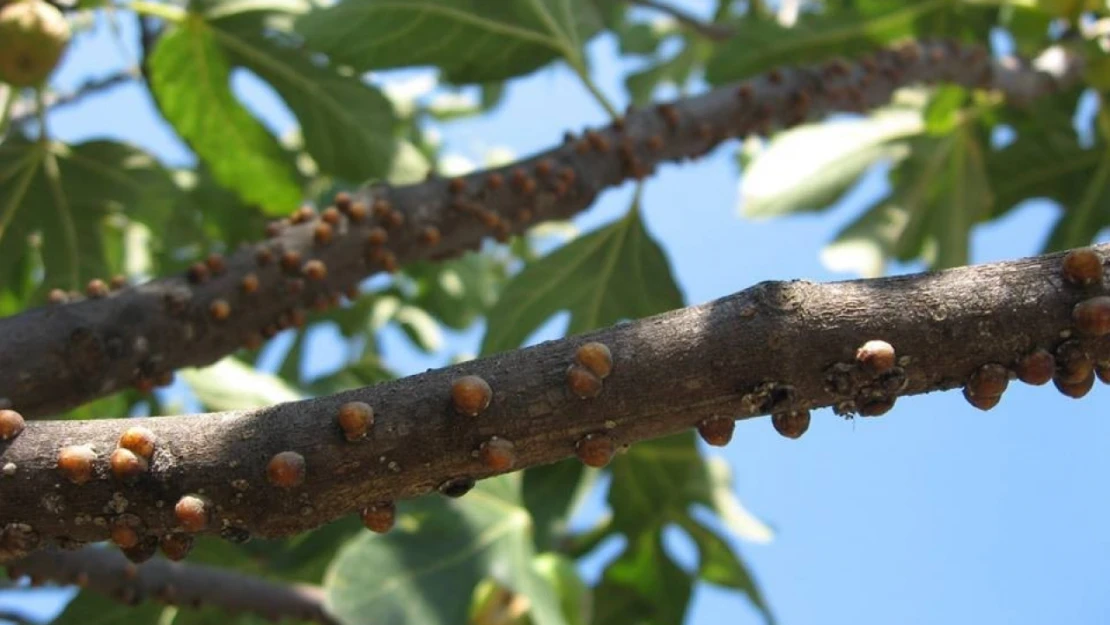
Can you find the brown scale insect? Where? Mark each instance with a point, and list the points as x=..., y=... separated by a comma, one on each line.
x=582, y=147
x=176, y=546
x=875, y=356
x=494, y=181
x=544, y=168
x=57, y=296
x=874, y=405
x=304, y=214
x=320, y=303
x=96, y=288
x=358, y=212
x=597, y=142
x=164, y=378
x=377, y=236
x=379, y=517
x=1076, y=390
x=497, y=454
x=253, y=341
x=219, y=309
x=315, y=269
x=263, y=256
x=618, y=124
x=429, y=235
x=595, y=450
x=355, y=419
x=583, y=382
x=269, y=331
x=716, y=431
x=11, y=424
x=192, y=513
x=139, y=440
x=342, y=201
x=331, y=215
x=322, y=233
x=1073, y=363
x=567, y=175
x=286, y=469
x=117, y=282
x=456, y=186
x=655, y=143
x=124, y=536
x=144, y=384
x=216, y=264
x=75, y=462
x=291, y=261
x=294, y=286
x=774, y=76
x=249, y=284
x=125, y=464
x=274, y=228
x=394, y=219
x=791, y=424
x=596, y=357
x=382, y=207
x=470, y=395
x=669, y=113
x=986, y=385
x=1092, y=316
x=298, y=317
x=502, y=232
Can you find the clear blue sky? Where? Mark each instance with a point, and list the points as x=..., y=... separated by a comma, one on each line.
x=936, y=513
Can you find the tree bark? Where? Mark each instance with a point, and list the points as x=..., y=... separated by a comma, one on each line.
x=775, y=348
x=60, y=356
x=107, y=572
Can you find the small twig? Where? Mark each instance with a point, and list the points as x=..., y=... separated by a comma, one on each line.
x=23, y=112
x=716, y=32
x=108, y=572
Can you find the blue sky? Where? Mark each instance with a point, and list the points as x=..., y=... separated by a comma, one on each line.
x=935, y=513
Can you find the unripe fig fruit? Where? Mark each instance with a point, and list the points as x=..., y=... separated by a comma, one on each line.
x=33, y=36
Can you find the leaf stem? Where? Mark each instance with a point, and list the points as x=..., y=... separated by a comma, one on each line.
x=579, y=66
x=155, y=9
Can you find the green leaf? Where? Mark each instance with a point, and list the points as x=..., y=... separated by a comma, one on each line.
x=346, y=124
x=551, y=494
x=715, y=489
x=760, y=45
x=1082, y=220
x=617, y=272
x=67, y=194
x=470, y=40
x=643, y=586
x=652, y=482
x=190, y=77
x=231, y=384
x=425, y=570
x=810, y=168
x=719, y=564
x=458, y=292
x=575, y=598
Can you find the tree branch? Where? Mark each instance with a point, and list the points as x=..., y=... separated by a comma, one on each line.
x=780, y=348
x=709, y=30
x=60, y=356
x=108, y=572
x=26, y=112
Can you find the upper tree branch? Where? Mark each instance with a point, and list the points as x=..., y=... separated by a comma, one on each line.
x=26, y=112
x=107, y=572
x=60, y=356
x=778, y=347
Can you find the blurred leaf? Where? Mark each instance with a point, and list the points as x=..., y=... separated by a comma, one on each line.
x=677, y=71
x=643, y=586
x=66, y=194
x=810, y=168
x=760, y=45
x=459, y=291
x=1087, y=215
x=942, y=114
x=551, y=493
x=471, y=41
x=425, y=570
x=716, y=490
x=190, y=77
x=651, y=483
x=575, y=597
x=617, y=272
x=420, y=327
x=231, y=384
x=347, y=125
x=718, y=563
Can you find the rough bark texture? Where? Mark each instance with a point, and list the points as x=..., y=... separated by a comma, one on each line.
x=107, y=572
x=62, y=355
x=773, y=348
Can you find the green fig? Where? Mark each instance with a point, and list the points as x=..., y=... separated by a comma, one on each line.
x=33, y=36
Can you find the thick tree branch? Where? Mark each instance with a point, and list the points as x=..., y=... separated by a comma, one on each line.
x=108, y=572
x=779, y=347
x=62, y=355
